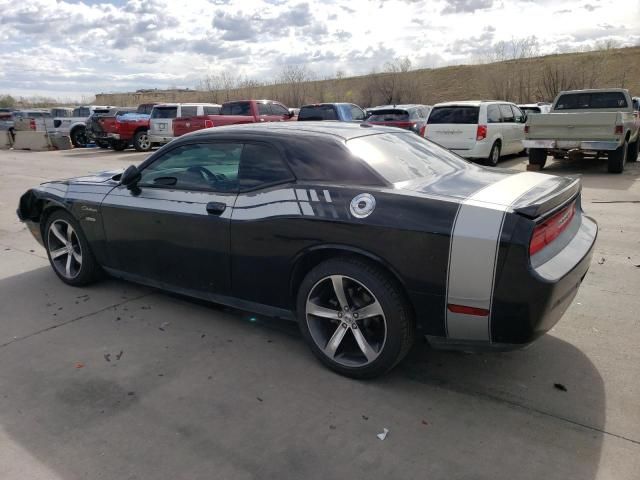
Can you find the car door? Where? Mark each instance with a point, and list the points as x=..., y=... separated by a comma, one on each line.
x=261, y=226
x=264, y=112
x=357, y=114
x=508, y=126
x=173, y=228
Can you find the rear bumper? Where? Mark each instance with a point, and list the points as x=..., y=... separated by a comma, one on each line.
x=527, y=306
x=155, y=138
x=479, y=150
x=572, y=144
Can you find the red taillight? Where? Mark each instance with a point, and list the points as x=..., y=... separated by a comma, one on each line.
x=550, y=229
x=467, y=310
x=526, y=129
x=208, y=123
x=481, y=133
x=423, y=131
x=618, y=130
x=32, y=124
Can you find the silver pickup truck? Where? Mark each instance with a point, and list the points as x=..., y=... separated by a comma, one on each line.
x=584, y=123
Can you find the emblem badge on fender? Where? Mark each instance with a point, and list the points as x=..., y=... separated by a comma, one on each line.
x=362, y=205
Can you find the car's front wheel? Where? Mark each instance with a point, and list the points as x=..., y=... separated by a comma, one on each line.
x=68, y=250
x=79, y=137
x=354, y=317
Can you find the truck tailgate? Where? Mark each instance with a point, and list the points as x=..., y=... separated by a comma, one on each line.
x=573, y=126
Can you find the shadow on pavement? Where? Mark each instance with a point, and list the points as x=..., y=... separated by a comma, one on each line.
x=203, y=391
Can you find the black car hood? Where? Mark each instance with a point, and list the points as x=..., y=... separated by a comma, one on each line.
x=99, y=177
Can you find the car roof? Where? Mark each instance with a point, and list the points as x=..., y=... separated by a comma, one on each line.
x=342, y=130
x=326, y=103
x=468, y=103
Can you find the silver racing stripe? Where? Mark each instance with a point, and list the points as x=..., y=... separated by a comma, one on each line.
x=473, y=253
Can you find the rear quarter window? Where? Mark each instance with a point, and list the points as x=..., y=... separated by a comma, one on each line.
x=208, y=110
x=318, y=112
x=189, y=111
x=454, y=114
x=236, y=108
x=164, y=112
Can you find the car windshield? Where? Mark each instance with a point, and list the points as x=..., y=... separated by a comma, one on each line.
x=236, y=108
x=587, y=101
x=317, y=112
x=389, y=116
x=454, y=114
x=401, y=157
x=164, y=112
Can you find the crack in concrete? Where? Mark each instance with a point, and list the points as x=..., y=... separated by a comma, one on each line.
x=75, y=319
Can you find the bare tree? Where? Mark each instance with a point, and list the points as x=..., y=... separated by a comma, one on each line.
x=297, y=78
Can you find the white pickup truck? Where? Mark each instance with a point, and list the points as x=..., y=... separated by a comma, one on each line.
x=599, y=122
x=75, y=126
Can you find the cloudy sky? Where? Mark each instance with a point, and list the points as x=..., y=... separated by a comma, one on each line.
x=72, y=48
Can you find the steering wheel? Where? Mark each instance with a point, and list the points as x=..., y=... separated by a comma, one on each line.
x=206, y=174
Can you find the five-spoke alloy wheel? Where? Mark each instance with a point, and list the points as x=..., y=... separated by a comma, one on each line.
x=68, y=250
x=64, y=249
x=354, y=317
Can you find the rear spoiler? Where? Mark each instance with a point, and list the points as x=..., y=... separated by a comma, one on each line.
x=548, y=203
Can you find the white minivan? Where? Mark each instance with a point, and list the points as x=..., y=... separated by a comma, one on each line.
x=162, y=115
x=477, y=130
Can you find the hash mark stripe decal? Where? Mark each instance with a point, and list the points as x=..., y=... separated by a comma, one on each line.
x=473, y=252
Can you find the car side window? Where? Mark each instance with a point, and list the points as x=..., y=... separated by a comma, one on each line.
x=507, y=114
x=263, y=109
x=279, y=110
x=517, y=114
x=189, y=111
x=357, y=113
x=493, y=114
x=200, y=166
x=261, y=165
x=209, y=110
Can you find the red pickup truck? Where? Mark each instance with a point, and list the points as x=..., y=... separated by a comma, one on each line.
x=122, y=131
x=233, y=113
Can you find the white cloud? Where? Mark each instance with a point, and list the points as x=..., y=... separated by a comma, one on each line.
x=79, y=47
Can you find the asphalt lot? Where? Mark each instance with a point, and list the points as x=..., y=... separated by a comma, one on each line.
x=118, y=381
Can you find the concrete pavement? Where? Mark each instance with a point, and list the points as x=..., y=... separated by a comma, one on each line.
x=118, y=381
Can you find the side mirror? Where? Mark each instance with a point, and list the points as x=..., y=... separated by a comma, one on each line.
x=130, y=177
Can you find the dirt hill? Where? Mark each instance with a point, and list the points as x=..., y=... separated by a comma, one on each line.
x=523, y=80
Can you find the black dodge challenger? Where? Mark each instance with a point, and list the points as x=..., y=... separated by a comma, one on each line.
x=367, y=236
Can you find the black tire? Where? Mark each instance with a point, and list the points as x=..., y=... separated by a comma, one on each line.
x=79, y=137
x=618, y=158
x=538, y=156
x=494, y=154
x=558, y=156
x=141, y=141
x=634, y=149
x=396, y=320
x=119, y=145
x=81, y=272
x=102, y=143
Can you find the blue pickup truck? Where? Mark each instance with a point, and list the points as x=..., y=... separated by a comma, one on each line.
x=342, y=112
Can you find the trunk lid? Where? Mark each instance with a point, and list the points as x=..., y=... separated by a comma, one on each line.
x=161, y=122
x=530, y=194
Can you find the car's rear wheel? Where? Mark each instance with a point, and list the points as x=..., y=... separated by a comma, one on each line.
x=119, y=145
x=79, y=137
x=634, y=149
x=354, y=317
x=141, y=141
x=494, y=155
x=538, y=156
x=68, y=250
x=618, y=158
